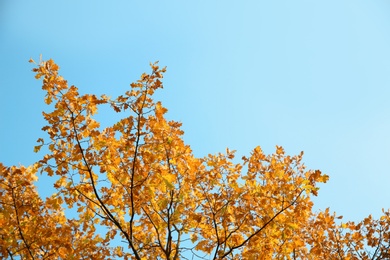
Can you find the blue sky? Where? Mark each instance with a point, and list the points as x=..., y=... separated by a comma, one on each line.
x=306, y=75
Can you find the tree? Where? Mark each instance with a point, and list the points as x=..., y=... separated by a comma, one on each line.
x=137, y=182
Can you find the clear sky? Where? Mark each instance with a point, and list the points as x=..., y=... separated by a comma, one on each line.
x=306, y=75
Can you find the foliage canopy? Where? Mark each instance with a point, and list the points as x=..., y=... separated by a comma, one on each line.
x=137, y=191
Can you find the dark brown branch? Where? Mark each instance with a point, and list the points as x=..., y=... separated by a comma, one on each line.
x=263, y=227
x=18, y=221
x=103, y=206
x=132, y=215
x=155, y=227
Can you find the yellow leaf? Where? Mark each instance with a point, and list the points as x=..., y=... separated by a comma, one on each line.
x=62, y=252
x=37, y=148
x=194, y=237
x=48, y=100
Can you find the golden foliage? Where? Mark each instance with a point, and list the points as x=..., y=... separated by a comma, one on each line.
x=139, y=180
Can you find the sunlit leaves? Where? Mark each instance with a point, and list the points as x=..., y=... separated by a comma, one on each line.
x=137, y=183
x=35, y=228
